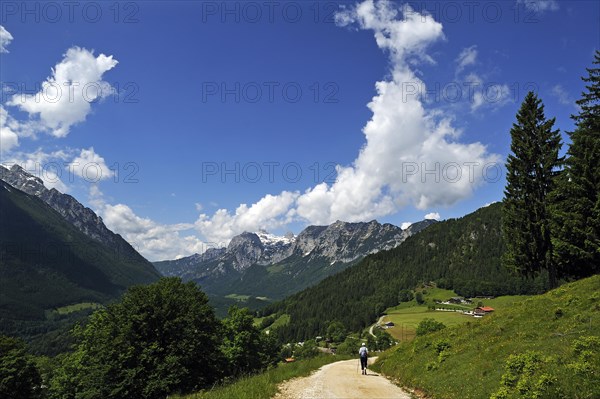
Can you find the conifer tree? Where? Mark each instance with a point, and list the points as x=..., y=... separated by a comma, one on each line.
x=531, y=173
x=576, y=209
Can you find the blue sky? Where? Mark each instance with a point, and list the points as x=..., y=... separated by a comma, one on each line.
x=202, y=107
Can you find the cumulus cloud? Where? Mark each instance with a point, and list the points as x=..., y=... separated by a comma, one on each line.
x=467, y=57
x=153, y=240
x=90, y=166
x=405, y=225
x=412, y=156
x=432, y=216
x=271, y=212
x=5, y=39
x=65, y=97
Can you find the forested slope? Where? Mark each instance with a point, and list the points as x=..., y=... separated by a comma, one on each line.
x=462, y=254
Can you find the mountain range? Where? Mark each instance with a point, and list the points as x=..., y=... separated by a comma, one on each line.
x=262, y=267
x=54, y=253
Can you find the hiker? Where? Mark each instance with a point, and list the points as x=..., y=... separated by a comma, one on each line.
x=363, y=352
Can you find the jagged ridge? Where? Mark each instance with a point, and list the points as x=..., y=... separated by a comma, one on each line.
x=263, y=265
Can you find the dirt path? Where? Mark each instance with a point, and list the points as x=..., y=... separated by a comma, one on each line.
x=341, y=380
x=378, y=322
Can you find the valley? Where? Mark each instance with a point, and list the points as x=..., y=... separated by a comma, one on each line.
x=237, y=200
x=259, y=268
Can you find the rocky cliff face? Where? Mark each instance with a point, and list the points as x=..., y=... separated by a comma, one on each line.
x=346, y=242
x=246, y=249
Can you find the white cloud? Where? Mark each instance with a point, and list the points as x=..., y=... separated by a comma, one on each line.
x=405, y=37
x=562, y=96
x=153, y=240
x=405, y=225
x=5, y=39
x=65, y=97
x=411, y=155
x=90, y=166
x=271, y=212
x=490, y=96
x=8, y=137
x=199, y=206
x=467, y=56
x=432, y=215
x=539, y=6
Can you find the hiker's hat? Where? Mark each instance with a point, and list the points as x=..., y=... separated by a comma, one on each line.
x=363, y=344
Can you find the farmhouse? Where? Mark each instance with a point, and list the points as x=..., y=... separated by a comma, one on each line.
x=389, y=324
x=482, y=311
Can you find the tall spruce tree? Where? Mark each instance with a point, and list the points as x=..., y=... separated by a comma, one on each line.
x=576, y=209
x=532, y=168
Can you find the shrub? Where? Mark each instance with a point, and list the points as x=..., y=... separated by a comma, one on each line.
x=427, y=326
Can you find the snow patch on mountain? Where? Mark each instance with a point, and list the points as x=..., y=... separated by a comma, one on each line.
x=269, y=239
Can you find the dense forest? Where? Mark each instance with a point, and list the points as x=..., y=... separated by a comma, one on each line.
x=463, y=254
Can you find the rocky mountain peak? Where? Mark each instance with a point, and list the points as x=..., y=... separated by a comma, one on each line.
x=244, y=240
x=17, y=177
x=246, y=249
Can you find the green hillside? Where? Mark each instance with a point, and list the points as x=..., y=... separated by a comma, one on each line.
x=46, y=264
x=547, y=346
x=407, y=315
x=460, y=254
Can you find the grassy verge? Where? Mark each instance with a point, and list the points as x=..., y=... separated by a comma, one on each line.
x=264, y=386
x=546, y=346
